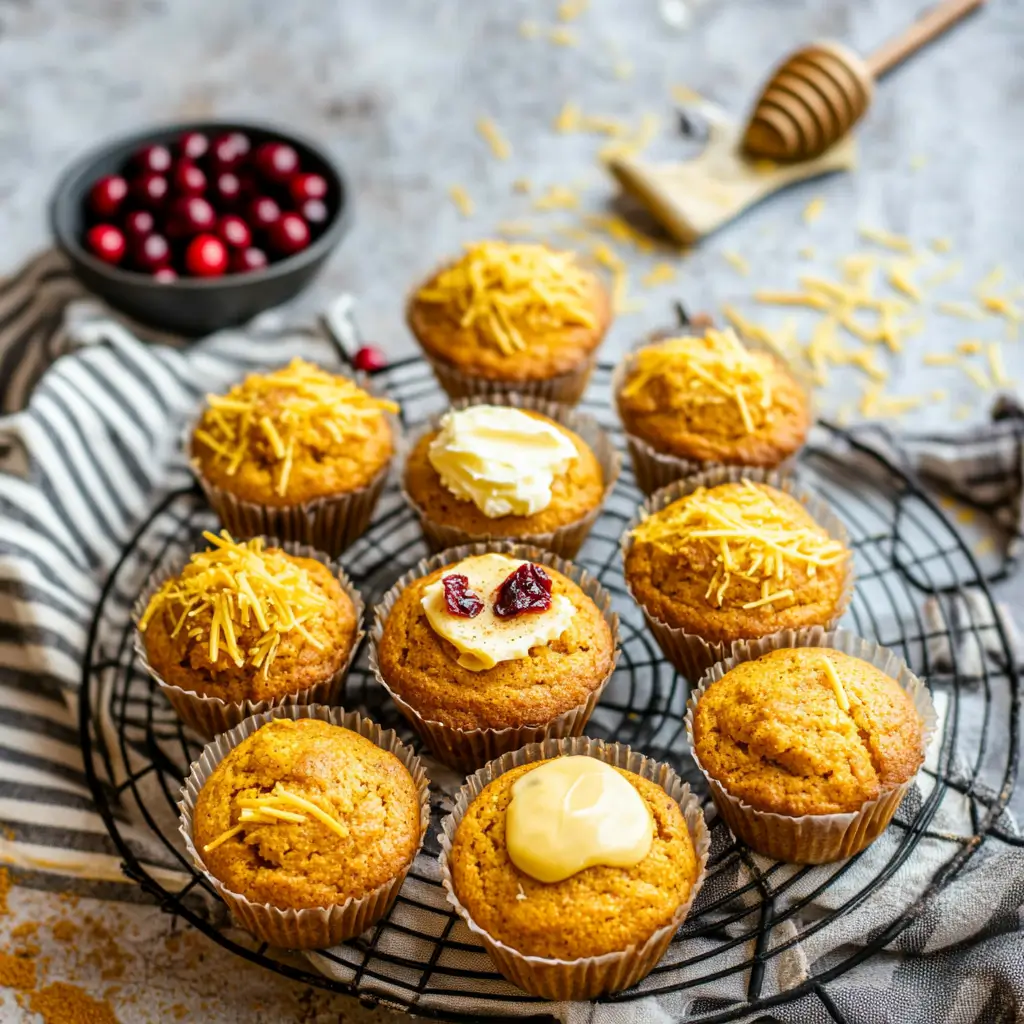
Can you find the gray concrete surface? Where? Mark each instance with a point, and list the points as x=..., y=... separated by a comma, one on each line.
x=394, y=87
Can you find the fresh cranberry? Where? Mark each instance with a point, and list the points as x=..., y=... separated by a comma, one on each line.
x=227, y=188
x=150, y=190
x=234, y=232
x=314, y=212
x=245, y=260
x=230, y=150
x=138, y=224
x=107, y=195
x=106, y=242
x=189, y=215
x=165, y=274
x=459, y=599
x=206, y=256
x=277, y=161
x=153, y=159
x=188, y=180
x=193, y=145
x=369, y=358
x=289, y=234
x=528, y=589
x=263, y=213
x=307, y=186
x=151, y=253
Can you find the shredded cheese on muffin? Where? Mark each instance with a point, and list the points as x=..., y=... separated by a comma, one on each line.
x=273, y=415
x=836, y=683
x=231, y=587
x=506, y=290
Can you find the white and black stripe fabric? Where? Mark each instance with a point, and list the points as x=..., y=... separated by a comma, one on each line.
x=88, y=446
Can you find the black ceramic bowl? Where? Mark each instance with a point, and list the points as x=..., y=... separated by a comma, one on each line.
x=194, y=305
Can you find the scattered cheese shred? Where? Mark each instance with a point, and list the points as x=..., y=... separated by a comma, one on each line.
x=978, y=376
x=461, y=198
x=562, y=36
x=557, y=197
x=836, y=683
x=522, y=185
x=887, y=239
x=969, y=347
x=946, y=274
x=620, y=230
x=684, y=95
x=223, y=838
x=737, y=262
x=516, y=227
x=660, y=273
x=959, y=309
x=899, y=278
x=569, y=10
x=813, y=210
x=942, y=244
x=941, y=359
x=568, y=119
x=996, y=365
x=493, y=137
x=633, y=144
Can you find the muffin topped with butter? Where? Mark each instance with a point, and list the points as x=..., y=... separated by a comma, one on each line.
x=511, y=313
x=709, y=399
x=496, y=471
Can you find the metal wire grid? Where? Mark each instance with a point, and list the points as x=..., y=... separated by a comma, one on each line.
x=137, y=752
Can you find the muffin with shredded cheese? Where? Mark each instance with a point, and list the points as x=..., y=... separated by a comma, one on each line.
x=507, y=466
x=809, y=749
x=298, y=453
x=734, y=555
x=690, y=402
x=243, y=626
x=512, y=317
x=306, y=826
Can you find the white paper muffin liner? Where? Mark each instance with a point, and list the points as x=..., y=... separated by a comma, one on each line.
x=692, y=655
x=653, y=469
x=814, y=838
x=210, y=715
x=585, y=977
x=565, y=540
x=468, y=749
x=329, y=523
x=308, y=928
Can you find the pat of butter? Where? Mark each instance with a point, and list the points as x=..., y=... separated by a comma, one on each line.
x=501, y=459
x=572, y=813
x=486, y=640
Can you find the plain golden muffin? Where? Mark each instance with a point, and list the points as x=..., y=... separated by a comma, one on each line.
x=598, y=910
x=783, y=736
x=366, y=792
x=710, y=399
x=423, y=668
x=291, y=436
x=708, y=564
x=256, y=664
x=511, y=312
x=574, y=493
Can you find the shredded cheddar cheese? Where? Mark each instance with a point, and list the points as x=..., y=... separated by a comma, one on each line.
x=836, y=683
x=490, y=134
x=557, y=197
x=887, y=239
x=569, y=10
x=996, y=365
x=813, y=210
x=660, y=273
x=562, y=36
x=461, y=198
x=942, y=244
x=737, y=262
x=959, y=309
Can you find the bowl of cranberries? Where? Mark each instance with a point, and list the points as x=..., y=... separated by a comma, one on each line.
x=200, y=226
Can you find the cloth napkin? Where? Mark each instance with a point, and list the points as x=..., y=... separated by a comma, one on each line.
x=89, y=444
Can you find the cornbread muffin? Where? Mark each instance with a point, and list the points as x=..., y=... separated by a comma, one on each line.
x=709, y=564
x=511, y=312
x=429, y=673
x=292, y=436
x=305, y=814
x=597, y=910
x=202, y=632
x=574, y=492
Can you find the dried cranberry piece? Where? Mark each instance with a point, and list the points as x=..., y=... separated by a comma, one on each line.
x=528, y=589
x=459, y=598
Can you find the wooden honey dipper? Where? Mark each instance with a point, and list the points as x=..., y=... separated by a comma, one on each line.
x=818, y=93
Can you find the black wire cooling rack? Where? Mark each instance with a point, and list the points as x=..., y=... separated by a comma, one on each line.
x=752, y=915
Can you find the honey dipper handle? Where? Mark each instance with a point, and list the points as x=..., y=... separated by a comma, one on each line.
x=933, y=23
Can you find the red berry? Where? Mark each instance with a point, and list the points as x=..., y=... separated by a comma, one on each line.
x=277, y=161
x=245, y=260
x=193, y=145
x=227, y=188
x=150, y=189
x=188, y=180
x=106, y=242
x=107, y=195
x=165, y=274
x=458, y=598
x=528, y=589
x=206, y=256
x=289, y=234
x=149, y=254
x=230, y=150
x=234, y=231
x=138, y=224
x=307, y=186
x=190, y=215
x=314, y=212
x=369, y=358
x=263, y=213
x=154, y=159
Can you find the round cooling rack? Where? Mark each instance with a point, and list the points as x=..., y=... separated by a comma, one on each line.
x=753, y=917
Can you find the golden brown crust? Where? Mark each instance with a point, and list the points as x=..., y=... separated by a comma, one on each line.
x=185, y=661
x=422, y=667
x=300, y=865
x=547, y=355
x=574, y=493
x=771, y=731
x=672, y=586
x=598, y=910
